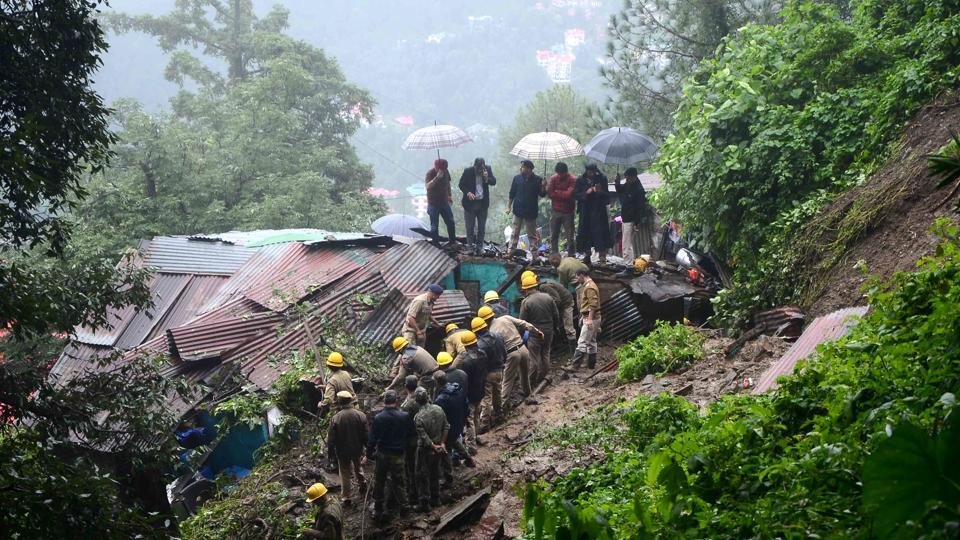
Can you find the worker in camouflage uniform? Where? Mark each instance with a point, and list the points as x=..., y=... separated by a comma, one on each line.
x=411, y=407
x=541, y=311
x=346, y=439
x=413, y=360
x=516, y=368
x=328, y=521
x=588, y=298
x=388, y=441
x=339, y=381
x=420, y=315
x=432, y=428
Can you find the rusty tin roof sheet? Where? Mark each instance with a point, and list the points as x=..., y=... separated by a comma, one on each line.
x=181, y=255
x=385, y=321
x=825, y=328
x=620, y=317
x=198, y=341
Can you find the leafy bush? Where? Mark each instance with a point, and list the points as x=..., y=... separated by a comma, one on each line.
x=860, y=442
x=667, y=347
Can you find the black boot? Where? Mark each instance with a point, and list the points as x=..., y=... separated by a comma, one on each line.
x=577, y=359
x=592, y=361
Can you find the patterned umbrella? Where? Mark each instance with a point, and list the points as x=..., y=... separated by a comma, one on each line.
x=436, y=137
x=547, y=145
x=621, y=146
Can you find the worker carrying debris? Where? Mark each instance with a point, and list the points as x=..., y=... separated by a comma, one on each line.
x=432, y=429
x=588, y=298
x=338, y=381
x=420, y=315
x=328, y=523
x=412, y=360
x=346, y=439
x=541, y=311
x=388, y=441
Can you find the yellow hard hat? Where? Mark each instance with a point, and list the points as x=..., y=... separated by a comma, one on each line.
x=468, y=338
x=335, y=360
x=399, y=343
x=451, y=326
x=528, y=281
x=316, y=491
x=485, y=312
x=444, y=359
x=491, y=296
x=478, y=324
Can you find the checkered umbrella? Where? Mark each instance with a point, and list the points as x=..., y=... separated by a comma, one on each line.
x=436, y=137
x=547, y=145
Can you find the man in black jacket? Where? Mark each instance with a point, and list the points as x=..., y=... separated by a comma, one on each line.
x=636, y=215
x=475, y=184
x=388, y=439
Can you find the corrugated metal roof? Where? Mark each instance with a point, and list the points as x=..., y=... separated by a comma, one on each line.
x=262, y=264
x=304, y=270
x=166, y=290
x=412, y=267
x=825, y=328
x=77, y=358
x=181, y=255
x=385, y=321
x=191, y=300
x=621, y=318
x=197, y=341
x=243, y=238
x=118, y=321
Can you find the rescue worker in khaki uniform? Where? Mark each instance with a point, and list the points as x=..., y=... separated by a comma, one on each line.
x=328, y=522
x=566, y=268
x=339, y=381
x=588, y=298
x=492, y=300
x=564, y=300
x=420, y=315
x=432, y=428
x=517, y=366
x=388, y=440
x=493, y=347
x=473, y=362
x=413, y=360
x=451, y=343
x=541, y=311
x=346, y=438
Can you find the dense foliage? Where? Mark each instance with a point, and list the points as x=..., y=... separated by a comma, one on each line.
x=668, y=347
x=787, y=115
x=264, y=145
x=860, y=442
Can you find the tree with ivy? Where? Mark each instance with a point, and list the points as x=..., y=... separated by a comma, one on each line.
x=264, y=144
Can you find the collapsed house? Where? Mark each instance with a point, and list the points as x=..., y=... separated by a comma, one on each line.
x=244, y=303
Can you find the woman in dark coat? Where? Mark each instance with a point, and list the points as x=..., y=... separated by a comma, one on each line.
x=593, y=231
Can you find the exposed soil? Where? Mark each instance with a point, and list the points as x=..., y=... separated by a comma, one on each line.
x=900, y=237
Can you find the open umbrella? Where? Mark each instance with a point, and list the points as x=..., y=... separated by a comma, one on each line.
x=547, y=145
x=621, y=146
x=436, y=137
x=397, y=225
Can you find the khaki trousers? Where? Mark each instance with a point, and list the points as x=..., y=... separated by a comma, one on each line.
x=412, y=337
x=531, y=226
x=539, y=355
x=588, y=335
x=350, y=467
x=568, y=328
x=492, y=399
x=517, y=367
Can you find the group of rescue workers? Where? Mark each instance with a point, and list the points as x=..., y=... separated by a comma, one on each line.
x=436, y=408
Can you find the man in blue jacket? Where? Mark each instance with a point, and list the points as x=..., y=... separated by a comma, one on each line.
x=388, y=441
x=525, y=193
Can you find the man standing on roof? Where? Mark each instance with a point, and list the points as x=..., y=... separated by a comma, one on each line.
x=588, y=298
x=541, y=311
x=420, y=315
x=439, y=199
x=338, y=381
x=525, y=193
x=560, y=191
x=592, y=199
x=636, y=214
x=451, y=343
x=432, y=429
x=475, y=184
x=493, y=347
x=413, y=360
x=347, y=437
x=564, y=300
x=566, y=268
x=328, y=521
x=492, y=299
x=388, y=440
x=518, y=358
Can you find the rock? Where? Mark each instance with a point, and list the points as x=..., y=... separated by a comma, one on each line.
x=684, y=391
x=649, y=379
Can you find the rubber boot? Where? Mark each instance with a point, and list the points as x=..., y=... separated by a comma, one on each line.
x=577, y=359
x=572, y=344
x=592, y=361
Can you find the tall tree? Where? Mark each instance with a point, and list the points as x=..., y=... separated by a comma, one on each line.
x=655, y=44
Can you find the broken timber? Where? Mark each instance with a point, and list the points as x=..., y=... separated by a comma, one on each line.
x=466, y=511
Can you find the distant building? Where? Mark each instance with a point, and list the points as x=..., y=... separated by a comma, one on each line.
x=419, y=206
x=544, y=57
x=560, y=69
x=574, y=37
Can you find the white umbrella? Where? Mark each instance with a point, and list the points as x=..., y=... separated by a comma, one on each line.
x=398, y=225
x=547, y=145
x=436, y=137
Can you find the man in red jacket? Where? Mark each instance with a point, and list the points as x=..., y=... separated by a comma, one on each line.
x=560, y=193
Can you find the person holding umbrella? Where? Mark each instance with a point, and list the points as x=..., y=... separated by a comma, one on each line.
x=524, y=198
x=594, y=229
x=439, y=199
x=474, y=183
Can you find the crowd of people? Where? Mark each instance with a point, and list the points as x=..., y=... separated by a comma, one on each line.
x=436, y=408
x=578, y=208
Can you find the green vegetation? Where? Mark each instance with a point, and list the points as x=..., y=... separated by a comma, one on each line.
x=668, y=347
x=860, y=442
x=785, y=117
x=946, y=165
